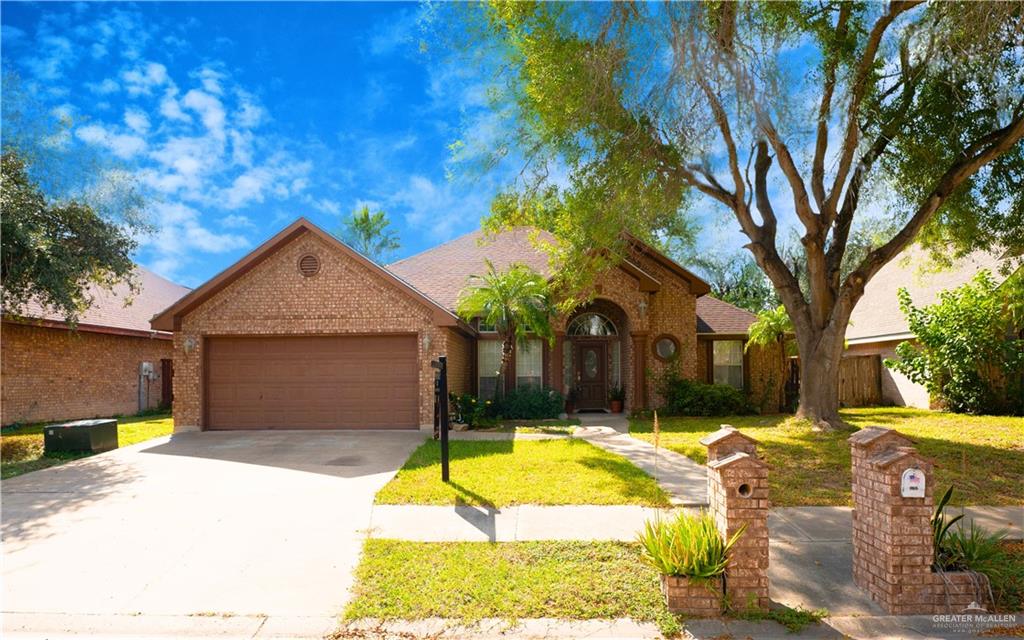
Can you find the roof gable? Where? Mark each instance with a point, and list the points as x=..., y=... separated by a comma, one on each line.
x=170, y=318
x=444, y=271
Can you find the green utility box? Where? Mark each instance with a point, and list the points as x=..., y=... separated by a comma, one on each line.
x=92, y=436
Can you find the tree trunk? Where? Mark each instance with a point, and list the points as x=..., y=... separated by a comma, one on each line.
x=820, y=357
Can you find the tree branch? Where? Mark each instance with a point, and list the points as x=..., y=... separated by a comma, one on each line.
x=977, y=155
x=825, y=111
x=858, y=93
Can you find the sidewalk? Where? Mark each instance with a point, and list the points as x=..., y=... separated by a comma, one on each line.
x=836, y=627
x=798, y=526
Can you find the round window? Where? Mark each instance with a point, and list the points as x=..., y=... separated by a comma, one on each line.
x=666, y=347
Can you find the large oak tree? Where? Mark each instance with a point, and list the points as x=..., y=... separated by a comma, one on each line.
x=816, y=116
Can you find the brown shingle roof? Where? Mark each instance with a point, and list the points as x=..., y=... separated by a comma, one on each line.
x=444, y=271
x=717, y=316
x=108, y=306
x=877, y=314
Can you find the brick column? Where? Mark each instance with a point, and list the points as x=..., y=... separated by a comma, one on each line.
x=738, y=496
x=892, y=535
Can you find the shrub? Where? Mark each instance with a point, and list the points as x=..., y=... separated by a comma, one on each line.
x=688, y=546
x=684, y=397
x=20, y=448
x=468, y=409
x=529, y=403
x=968, y=352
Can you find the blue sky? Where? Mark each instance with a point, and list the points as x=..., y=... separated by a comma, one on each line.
x=239, y=117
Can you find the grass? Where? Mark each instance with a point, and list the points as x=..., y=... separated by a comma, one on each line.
x=552, y=427
x=981, y=456
x=21, y=448
x=1008, y=586
x=511, y=472
x=469, y=581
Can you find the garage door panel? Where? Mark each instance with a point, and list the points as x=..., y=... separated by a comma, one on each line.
x=321, y=382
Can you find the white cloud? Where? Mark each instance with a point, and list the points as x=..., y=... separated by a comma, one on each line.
x=326, y=205
x=394, y=34
x=250, y=114
x=170, y=108
x=136, y=120
x=209, y=109
x=144, y=78
x=439, y=211
x=210, y=79
x=106, y=87
x=59, y=53
x=123, y=146
x=235, y=221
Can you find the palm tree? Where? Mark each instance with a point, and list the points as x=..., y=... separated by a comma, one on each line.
x=367, y=232
x=516, y=302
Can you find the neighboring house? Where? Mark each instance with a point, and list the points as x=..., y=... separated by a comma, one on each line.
x=306, y=333
x=50, y=372
x=877, y=325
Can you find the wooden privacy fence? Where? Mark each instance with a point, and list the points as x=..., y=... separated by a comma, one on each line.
x=860, y=381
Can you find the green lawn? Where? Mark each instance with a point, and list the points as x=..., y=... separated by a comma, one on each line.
x=469, y=581
x=982, y=456
x=511, y=472
x=21, y=448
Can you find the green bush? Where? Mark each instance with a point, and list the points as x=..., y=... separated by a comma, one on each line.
x=529, y=403
x=684, y=397
x=468, y=409
x=968, y=350
x=688, y=546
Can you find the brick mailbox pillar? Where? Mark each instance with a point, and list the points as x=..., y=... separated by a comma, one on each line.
x=892, y=534
x=738, y=496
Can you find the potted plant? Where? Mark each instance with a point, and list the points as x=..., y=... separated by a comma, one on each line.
x=615, y=397
x=570, y=401
x=691, y=556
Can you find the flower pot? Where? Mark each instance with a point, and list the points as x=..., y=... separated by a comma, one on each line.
x=692, y=598
x=570, y=407
x=616, y=406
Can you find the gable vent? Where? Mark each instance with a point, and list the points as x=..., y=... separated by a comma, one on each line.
x=309, y=265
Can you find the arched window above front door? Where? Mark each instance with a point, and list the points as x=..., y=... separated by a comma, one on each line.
x=591, y=324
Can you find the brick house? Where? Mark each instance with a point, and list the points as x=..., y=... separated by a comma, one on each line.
x=877, y=325
x=304, y=332
x=50, y=372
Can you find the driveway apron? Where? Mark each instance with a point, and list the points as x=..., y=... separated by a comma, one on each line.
x=202, y=524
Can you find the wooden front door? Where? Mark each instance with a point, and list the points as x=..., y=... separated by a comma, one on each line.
x=592, y=375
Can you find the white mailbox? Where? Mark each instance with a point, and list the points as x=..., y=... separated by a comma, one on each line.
x=912, y=483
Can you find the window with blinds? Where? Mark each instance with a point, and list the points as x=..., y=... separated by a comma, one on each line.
x=728, y=362
x=488, y=364
x=530, y=364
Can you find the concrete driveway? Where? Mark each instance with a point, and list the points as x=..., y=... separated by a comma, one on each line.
x=242, y=534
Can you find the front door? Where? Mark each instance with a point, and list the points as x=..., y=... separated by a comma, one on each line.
x=592, y=375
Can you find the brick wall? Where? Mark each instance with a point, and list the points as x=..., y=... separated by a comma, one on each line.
x=669, y=311
x=893, y=550
x=56, y=374
x=460, y=362
x=273, y=298
x=738, y=499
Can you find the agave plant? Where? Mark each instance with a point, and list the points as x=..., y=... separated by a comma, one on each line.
x=688, y=546
x=940, y=528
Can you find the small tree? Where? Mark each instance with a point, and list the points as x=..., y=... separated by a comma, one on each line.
x=738, y=280
x=53, y=251
x=517, y=302
x=367, y=232
x=969, y=351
